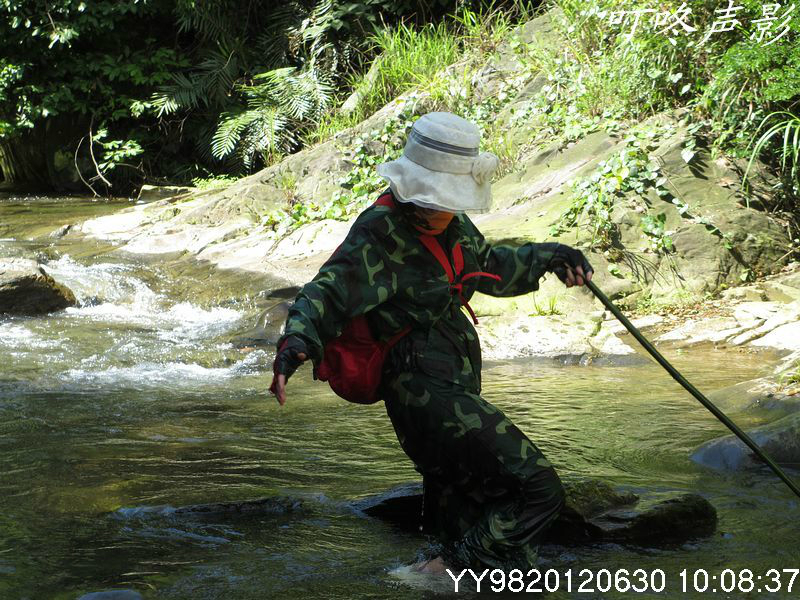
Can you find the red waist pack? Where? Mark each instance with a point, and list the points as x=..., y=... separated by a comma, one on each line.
x=353, y=362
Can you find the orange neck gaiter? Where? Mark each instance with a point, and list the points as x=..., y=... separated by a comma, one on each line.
x=435, y=221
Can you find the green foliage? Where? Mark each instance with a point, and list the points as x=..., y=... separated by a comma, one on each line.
x=630, y=177
x=280, y=107
x=732, y=82
x=792, y=376
x=628, y=172
x=785, y=127
x=545, y=310
x=208, y=86
x=115, y=152
x=193, y=87
x=747, y=80
x=407, y=58
x=358, y=186
x=654, y=226
x=213, y=182
x=74, y=65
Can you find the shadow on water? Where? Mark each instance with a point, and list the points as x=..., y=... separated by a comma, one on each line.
x=135, y=402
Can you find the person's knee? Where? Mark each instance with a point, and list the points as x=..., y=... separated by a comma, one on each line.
x=546, y=490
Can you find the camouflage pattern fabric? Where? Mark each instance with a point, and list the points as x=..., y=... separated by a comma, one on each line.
x=490, y=493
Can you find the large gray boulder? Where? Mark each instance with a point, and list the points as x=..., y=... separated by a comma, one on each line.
x=779, y=439
x=26, y=289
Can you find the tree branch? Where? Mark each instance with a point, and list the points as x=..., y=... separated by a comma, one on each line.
x=91, y=153
x=78, y=170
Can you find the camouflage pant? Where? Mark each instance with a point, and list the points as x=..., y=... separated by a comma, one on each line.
x=489, y=492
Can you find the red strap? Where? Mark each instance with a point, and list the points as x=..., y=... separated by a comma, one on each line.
x=481, y=274
x=458, y=259
x=385, y=200
x=433, y=246
x=397, y=337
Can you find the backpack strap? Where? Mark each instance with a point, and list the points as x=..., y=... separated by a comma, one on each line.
x=453, y=271
x=433, y=246
x=385, y=199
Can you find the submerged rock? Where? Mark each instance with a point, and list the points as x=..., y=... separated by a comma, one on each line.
x=591, y=497
x=267, y=329
x=112, y=595
x=280, y=505
x=594, y=512
x=779, y=439
x=672, y=521
x=26, y=289
x=259, y=506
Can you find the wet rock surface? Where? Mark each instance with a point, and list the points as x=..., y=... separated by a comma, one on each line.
x=267, y=329
x=774, y=401
x=26, y=289
x=672, y=521
x=595, y=512
x=779, y=439
x=251, y=507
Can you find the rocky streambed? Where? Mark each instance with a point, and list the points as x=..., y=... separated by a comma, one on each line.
x=147, y=391
x=148, y=397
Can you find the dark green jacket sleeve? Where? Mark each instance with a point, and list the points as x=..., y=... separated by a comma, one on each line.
x=520, y=268
x=354, y=280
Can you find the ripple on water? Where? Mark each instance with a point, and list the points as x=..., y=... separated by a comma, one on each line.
x=131, y=398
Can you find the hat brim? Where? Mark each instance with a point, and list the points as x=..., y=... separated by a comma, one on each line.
x=438, y=190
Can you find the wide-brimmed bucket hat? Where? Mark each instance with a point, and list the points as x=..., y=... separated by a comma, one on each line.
x=442, y=167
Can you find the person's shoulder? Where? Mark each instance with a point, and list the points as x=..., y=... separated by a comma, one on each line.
x=377, y=220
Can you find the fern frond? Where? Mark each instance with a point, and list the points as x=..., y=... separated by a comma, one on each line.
x=230, y=131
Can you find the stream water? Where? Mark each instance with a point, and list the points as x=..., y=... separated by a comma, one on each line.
x=114, y=412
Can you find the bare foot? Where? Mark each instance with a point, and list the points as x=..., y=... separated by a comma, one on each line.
x=435, y=566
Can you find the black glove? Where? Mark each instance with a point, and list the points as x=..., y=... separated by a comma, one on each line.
x=286, y=359
x=564, y=256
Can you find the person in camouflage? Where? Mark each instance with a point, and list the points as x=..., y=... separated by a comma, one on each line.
x=489, y=492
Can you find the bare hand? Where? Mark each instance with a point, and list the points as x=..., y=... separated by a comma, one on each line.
x=279, y=383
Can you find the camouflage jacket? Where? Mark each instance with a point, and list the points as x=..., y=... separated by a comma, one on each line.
x=383, y=270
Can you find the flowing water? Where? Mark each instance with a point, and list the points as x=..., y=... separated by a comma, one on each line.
x=117, y=411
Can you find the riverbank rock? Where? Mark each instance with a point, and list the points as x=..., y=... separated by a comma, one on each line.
x=768, y=396
x=717, y=239
x=772, y=324
x=151, y=193
x=779, y=439
x=26, y=289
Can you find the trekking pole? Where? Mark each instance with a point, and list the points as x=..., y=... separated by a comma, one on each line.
x=691, y=389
